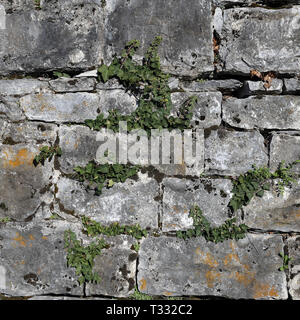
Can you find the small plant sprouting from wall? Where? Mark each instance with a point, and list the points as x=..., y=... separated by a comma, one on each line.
x=46, y=153
x=255, y=182
x=202, y=227
x=285, y=261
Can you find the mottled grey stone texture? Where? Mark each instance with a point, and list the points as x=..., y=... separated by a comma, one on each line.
x=263, y=112
x=249, y=40
x=55, y=37
x=245, y=269
x=260, y=88
x=19, y=87
x=292, y=86
x=294, y=264
x=180, y=195
x=232, y=153
x=285, y=146
x=23, y=187
x=129, y=203
x=186, y=31
x=117, y=268
x=35, y=260
x=275, y=212
x=73, y=85
x=10, y=108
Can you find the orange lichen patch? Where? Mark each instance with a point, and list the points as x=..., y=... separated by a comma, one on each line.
x=207, y=258
x=143, y=284
x=167, y=293
x=263, y=290
x=19, y=239
x=229, y=257
x=23, y=157
x=31, y=237
x=211, y=276
x=44, y=238
x=245, y=278
x=176, y=209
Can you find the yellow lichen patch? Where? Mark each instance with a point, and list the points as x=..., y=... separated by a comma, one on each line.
x=167, y=293
x=229, y=257
x=211, y=276
x=31, y=237
x=23, y=157
x=20, y=240
x=263, y=291
x=44, y=238
x=143, y=284
x=206, y=258
x=245, y=278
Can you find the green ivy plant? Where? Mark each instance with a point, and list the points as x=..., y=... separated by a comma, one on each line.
x=82, y=257
x=150, y=85
x=46, y=153
x=5, y=220
x=137, y=295
x=93, y=228
x=285, y=259
x=202, y=227
x=255, y=182
x=104, y=175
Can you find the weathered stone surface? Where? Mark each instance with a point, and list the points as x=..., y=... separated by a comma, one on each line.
x=294, y=265
x=22, y=86
x=266, y=112
x=78, y=145
x=73, y=85
x=116, y=267
x=285, y=146
x=23, y=187
x=69, y=107
x=180, y=195
x=10, y=108
x=248, y=40
x=55, y=37
x=226, y=86
x=273, y=212
x=258, y=87
x=207, y=110
x=35, y=260
x=127, y=203
x=232, y=153
x=292, y=86
x=247, y=269
x=48, y=298
x=25, y=132
x=186, y=32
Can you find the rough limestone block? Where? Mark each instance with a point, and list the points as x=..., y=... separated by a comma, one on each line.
x=248, y=40
x=55, y=37
x=68, y=107
x=180, y=195
x=247, y=269
x=257, y=87
x=186, y=31
x=265, y=112
x=72, y=85
x=23, y=188
x=207, y=110
x=225, y=86
x=43, y=298
x=232, y=153
x=25, y=132
x=116, y=267
x=3, y=125
x=127, y=203
x=294, y=265
x=35, y=261
x=19, y=87
x=78, y=145
x=285, y=146
x=10, y=108
x=273, y=212
x=292, y=86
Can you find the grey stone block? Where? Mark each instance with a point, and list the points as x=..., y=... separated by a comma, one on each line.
x=55, y=37
x=35, y=261
x=207, y=110
x=10, y=108
x=248, y=40
x=232, y=153
x=210, y=195
x=127, y=203
x=259, y=88
x=24, y=188
x=265, y=112
x=19, y=87
x=294, y=265
x=292, y=86
x=285, y=146
x=273, y=212
x=73, y=85
x=116, y=267
x=186, y=31
x=247, y=269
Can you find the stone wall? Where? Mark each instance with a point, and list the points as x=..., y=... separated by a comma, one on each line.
x=240, y=58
